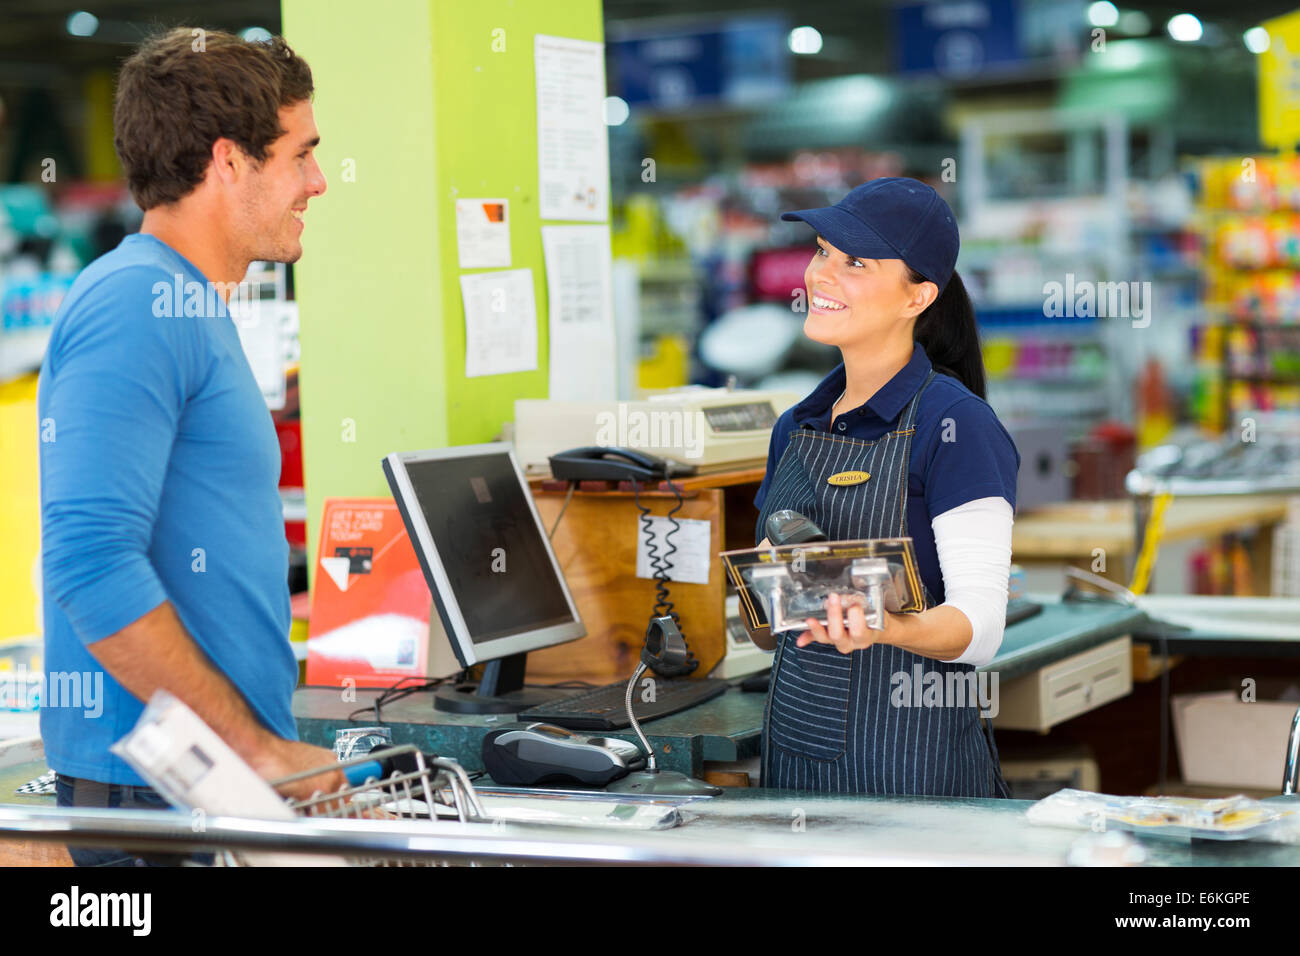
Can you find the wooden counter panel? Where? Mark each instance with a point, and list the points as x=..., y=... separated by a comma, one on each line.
x=596, y=547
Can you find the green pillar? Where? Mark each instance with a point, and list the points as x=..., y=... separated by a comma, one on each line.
x=418, y=102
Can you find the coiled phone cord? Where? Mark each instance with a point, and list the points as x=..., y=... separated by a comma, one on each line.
x=659, y=562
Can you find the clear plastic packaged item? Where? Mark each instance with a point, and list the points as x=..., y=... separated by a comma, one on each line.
x=352, y=742
x=787, y=585
x=1226, y=818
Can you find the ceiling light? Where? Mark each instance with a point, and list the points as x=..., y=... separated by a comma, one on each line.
x=616, y=111
x=805, y=40
x=1256, y=39
x=82, y=24
x=1103, y=13
x=1184, y=28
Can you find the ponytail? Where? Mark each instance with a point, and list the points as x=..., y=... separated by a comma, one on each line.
x=947, y=332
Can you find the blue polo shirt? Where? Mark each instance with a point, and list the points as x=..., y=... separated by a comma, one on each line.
x=159, y=468
x=978, y=459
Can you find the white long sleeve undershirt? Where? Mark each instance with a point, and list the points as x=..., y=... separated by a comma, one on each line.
x=973, y=542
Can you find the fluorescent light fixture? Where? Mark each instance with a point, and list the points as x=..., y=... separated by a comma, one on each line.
x=1256, y=40
x=805, y=40
x=255, y=34
x=616, y=111
x=1184, y=28
x=82, y=24
x=1103, y=13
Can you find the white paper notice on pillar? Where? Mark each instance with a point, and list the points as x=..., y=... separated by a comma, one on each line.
x=580, y=304
x=268, y=330
x=483, y=233
x=572, y=139
x=500, y=322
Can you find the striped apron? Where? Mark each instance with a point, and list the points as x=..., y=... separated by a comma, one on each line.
x=858, y=722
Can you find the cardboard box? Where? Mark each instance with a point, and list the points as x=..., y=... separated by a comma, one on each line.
x=1224, y=741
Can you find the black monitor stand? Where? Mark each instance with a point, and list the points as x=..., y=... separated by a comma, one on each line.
x=501, y=691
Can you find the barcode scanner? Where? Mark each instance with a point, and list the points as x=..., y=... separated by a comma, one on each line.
x=790, y=527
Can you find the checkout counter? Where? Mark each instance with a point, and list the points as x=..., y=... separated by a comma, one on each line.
x=1072, y=658
x=727, y=730
x=742, y=826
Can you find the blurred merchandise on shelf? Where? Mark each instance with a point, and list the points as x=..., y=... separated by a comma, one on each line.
x=1263, y=456
x=1155, y=413
x=1029, y=351
x=1206, y=402
x=1270, y=354
x=665, y=364
x=1222, y=567
x=1080, y=270
x=42, y=248
x=639, y=232
x=1252, y=183
x=1101, y=460
x=1286, y=552
x=1248, y=354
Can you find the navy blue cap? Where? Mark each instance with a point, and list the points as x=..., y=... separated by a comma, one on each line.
x=891, y=218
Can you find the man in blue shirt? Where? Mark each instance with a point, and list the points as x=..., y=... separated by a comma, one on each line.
x=162, y=536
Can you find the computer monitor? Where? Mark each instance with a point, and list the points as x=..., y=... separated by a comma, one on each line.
x=496, y=584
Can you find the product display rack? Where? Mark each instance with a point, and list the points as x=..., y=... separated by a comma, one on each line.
x=1250, y=218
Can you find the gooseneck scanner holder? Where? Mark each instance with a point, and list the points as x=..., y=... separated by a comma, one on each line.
x=665, y=651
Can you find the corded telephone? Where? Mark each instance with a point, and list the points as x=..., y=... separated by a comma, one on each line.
x=608, y=463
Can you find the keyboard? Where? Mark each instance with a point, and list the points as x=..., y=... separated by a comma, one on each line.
x=604, y=708
x=1020, y=609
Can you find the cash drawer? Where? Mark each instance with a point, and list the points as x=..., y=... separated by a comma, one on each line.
x=1068, y=688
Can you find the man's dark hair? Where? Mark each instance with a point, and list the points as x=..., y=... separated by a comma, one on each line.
x=184, y=89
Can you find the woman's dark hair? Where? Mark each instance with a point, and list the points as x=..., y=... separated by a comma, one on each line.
x=947, y=332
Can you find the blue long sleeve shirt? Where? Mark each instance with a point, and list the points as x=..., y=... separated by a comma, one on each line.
x=159, y=468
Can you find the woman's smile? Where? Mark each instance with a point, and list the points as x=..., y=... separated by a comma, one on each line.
x=826, y=304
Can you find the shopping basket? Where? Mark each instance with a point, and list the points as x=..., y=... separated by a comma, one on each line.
x=398, y=783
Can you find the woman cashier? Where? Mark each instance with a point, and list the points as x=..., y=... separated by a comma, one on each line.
x=907, y=408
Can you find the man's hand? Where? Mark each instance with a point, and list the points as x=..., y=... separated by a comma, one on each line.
x=281, y=758
x=156, y=651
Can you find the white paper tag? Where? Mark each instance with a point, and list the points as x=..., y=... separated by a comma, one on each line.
x=691, y=560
